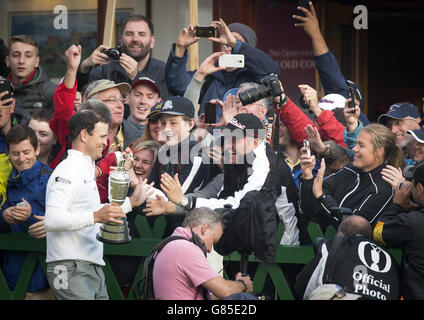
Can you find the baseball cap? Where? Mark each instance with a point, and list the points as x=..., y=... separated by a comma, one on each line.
x=247, y=122
x=332, y=101
x=232, y=91
x=332, y=292
x=418, y=134
x=155, y=110
x=108, y=84
x=147, y=81
x=415, y=172
x=400, y=111
x=178, y=106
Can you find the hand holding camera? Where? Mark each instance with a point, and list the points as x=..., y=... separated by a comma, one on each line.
x=311, y=98
x=129, y=65
x=98, y=57
x=270, y=87
x=351, y=115
x=186, y=38
x=225, y=36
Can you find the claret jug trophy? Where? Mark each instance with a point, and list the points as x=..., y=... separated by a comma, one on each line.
x=119, y=182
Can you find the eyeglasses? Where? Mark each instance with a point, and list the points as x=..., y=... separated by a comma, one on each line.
x=114, y=100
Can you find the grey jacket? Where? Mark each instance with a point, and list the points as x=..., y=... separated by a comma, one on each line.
x=36, y=94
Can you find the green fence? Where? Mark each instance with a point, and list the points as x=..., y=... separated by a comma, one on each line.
x=141, y=247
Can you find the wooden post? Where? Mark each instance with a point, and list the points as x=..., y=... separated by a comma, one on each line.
x=109, y=29
x=193, y=50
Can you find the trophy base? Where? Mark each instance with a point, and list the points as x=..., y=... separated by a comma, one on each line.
x=114, y=233
x=99, y=237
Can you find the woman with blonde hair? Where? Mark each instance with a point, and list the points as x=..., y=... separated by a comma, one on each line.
x=359, y=187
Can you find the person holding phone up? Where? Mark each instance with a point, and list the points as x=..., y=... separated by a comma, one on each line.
x=235, y=38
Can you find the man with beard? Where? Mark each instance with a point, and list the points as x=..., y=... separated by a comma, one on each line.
x=137, y=41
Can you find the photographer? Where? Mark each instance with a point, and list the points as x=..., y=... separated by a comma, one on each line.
x=234, y=39
x=400, y=226
x=132, y=60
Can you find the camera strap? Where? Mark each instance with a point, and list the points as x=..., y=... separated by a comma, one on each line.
x=273, y=126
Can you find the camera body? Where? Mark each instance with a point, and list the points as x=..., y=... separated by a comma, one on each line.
x=113, y=53
x=270, y=88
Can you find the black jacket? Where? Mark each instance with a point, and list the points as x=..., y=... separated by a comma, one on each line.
x=187, y=162
x=365, y=193
x=401, y=228
x=360, y=267
x=155, y=70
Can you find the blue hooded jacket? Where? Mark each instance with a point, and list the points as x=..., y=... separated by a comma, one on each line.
x=31, y=185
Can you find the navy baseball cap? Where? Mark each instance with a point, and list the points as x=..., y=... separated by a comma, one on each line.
x=247, y=122
x=155, y=111
x=400, y=111
x=418, y=134
x=178, y=106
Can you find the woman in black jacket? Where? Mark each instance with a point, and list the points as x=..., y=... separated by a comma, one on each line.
x=359, y=187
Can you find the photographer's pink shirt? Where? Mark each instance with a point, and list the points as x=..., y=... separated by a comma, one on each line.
x=180, y=268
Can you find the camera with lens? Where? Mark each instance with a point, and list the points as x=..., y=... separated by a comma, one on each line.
x=270, y=87
x=113, y=53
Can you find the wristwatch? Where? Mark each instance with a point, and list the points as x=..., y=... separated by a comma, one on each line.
x=184, y=203
x=244, y=284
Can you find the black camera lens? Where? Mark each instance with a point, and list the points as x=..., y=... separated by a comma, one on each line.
x=113, y=53
x=254, y=94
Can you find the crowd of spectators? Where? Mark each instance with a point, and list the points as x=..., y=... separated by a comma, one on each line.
x=325, y=163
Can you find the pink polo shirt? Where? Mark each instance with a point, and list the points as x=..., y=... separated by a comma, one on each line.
x=180, y=268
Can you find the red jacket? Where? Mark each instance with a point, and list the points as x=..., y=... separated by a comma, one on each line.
x=295, y=120
x=63, y=101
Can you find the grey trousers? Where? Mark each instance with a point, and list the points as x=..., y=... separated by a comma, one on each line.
x=76, y=280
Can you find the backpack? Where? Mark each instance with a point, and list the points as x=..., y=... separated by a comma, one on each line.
x=144, y=289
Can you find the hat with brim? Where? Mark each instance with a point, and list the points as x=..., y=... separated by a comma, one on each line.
x=332, y=101
x=146, y=81
x=417, y=134
x=400, y=111
x=332, y=292
x=103, y=85
x=247, y=123
x=178, y=106
x=155, y=111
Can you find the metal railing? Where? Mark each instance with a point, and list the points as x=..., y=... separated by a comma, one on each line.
x=141, y=247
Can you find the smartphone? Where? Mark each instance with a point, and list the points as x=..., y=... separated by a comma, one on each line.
x=307, y=147
x=206, y=32
x=210, y=112
x=231, y=61
x=5, y=85
x=304, y=4
x=351, y=95
x=21, y=204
